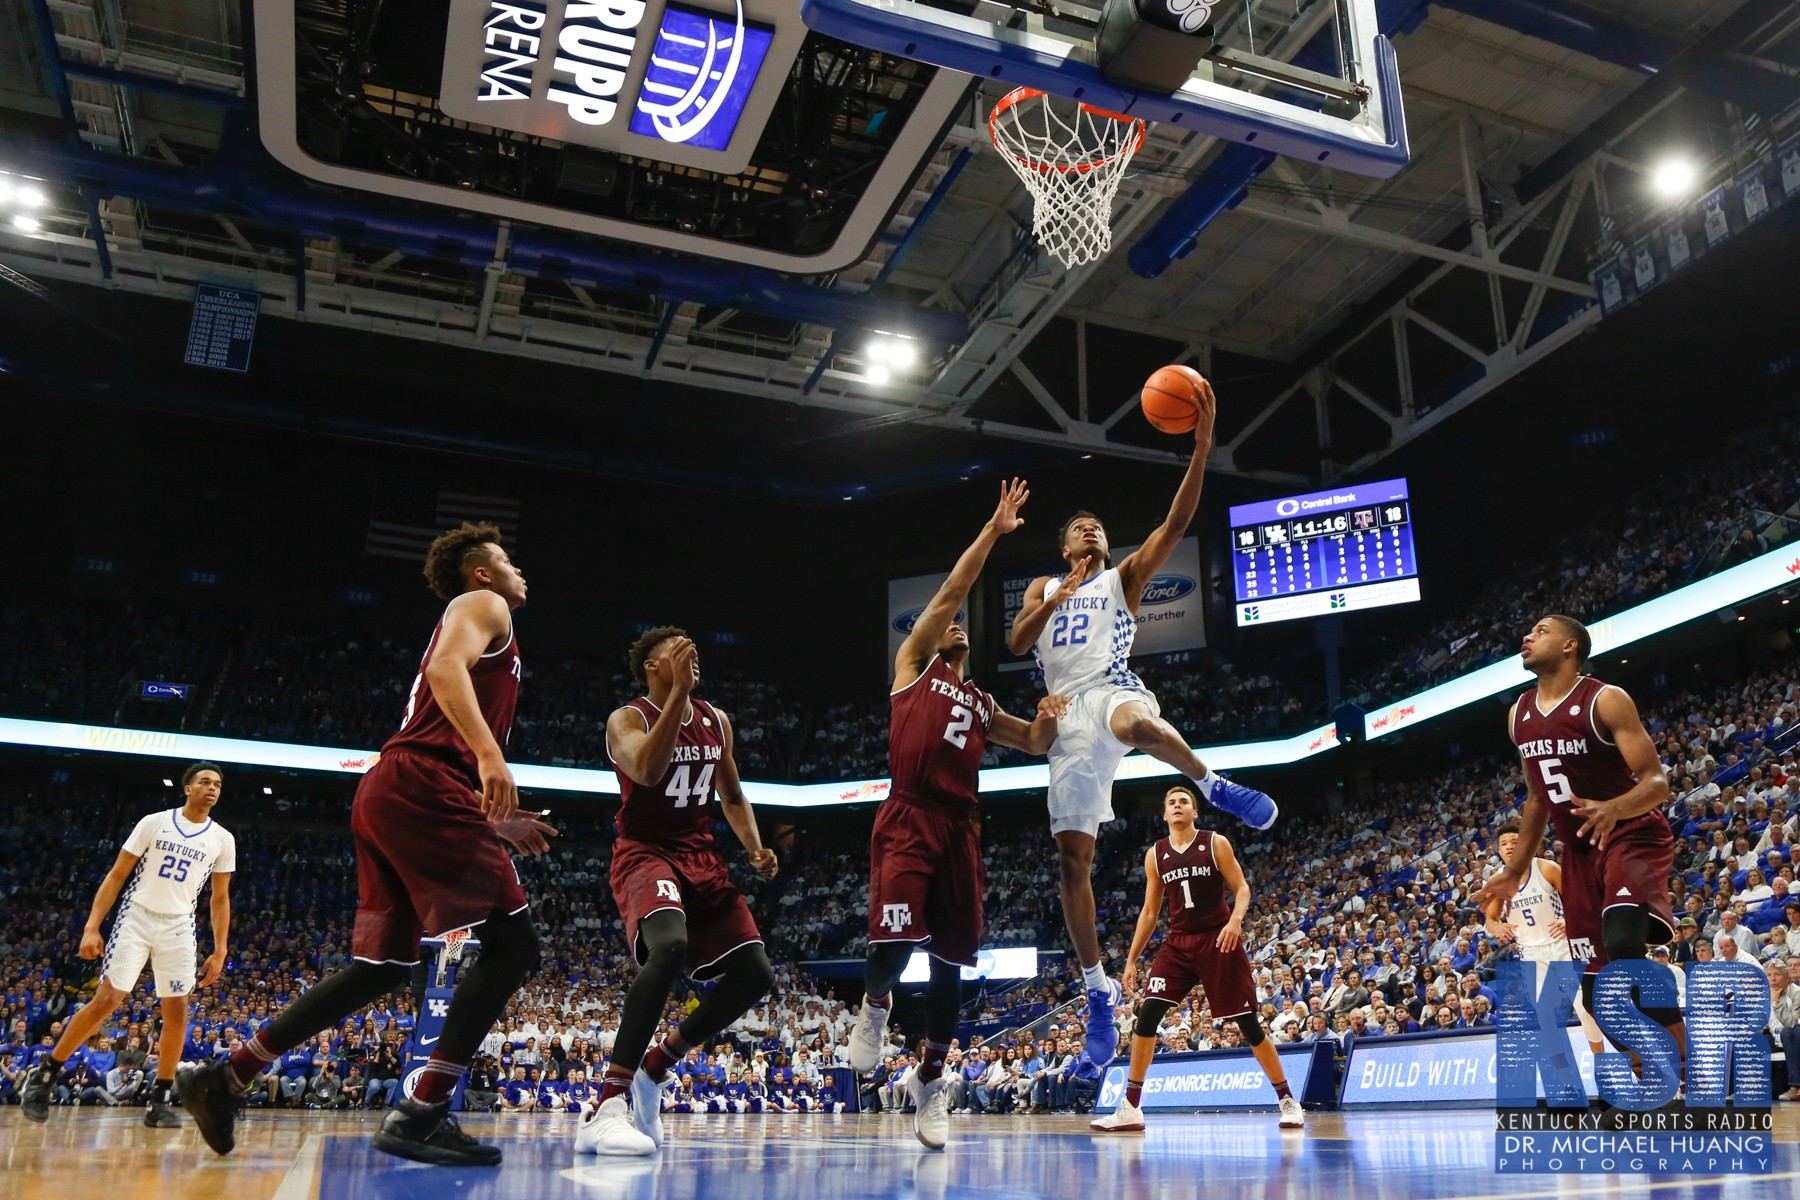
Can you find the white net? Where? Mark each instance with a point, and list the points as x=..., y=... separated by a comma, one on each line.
x=1071, y=157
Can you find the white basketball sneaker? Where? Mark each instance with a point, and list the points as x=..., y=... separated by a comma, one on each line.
x=646, y=1104
x=1127, y=1118
x=931, y=1118
x=868, y=1037
x=1292, y=1115
x=607, y=1129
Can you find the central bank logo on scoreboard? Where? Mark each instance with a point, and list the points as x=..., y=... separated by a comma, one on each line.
x=1707, y=1115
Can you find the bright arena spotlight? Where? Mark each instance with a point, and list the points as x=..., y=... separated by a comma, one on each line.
x=900, y=599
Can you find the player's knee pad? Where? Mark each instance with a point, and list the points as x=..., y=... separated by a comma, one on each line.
x=1251, y=1028
x=1150, y=1016
x=1624, y=930
x=388, y=976
x=510, y=943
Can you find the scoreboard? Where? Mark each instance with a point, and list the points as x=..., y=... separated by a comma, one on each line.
x=1324, y=552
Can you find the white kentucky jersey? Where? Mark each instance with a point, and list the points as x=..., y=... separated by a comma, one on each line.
x=1533, y=907
x=1088, y=638
x=174, y=860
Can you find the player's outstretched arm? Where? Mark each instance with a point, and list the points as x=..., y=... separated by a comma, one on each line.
x=1146, y=922
x=1617, y=714
x=1035, y=738
x=736, y=808
x=1139, y=567
x=473, y=622
x=929, y=629
x=91, y=942
x=214, y=965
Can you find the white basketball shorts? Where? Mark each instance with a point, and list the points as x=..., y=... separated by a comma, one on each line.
x=166, y=941
x=1085, y=757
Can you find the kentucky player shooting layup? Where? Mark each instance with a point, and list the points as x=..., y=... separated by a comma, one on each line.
x=926, y=876
x=161, y=868
x=430, y=822
x=1592, y=769
x=682, y=913
x=1080, y=629
x=1533, y=920
x=1195, y=870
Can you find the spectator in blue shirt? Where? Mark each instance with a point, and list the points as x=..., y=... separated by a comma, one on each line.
x=518, y=1094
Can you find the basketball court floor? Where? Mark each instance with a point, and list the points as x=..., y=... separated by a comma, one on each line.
x=1423, y=1154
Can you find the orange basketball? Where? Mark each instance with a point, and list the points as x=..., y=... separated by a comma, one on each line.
x=1171, y=399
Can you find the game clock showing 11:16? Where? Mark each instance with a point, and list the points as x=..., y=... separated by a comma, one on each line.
x=1304, y=556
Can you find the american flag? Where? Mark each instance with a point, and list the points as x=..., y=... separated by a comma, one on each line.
x=405, y=517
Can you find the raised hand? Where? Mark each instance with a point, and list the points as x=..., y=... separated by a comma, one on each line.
x=684, y=666
x=1207, y=409
x=1078, y=575
x=1006, y=516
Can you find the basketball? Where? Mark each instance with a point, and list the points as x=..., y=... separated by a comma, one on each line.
x=1171, y=399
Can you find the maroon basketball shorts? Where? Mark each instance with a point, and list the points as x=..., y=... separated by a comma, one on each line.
x=648, y=879
x=1187, y=959
x=926, y=878
x=427, y=861
x=1633, y=869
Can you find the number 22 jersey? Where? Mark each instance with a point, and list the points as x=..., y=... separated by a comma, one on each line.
x=673, y=813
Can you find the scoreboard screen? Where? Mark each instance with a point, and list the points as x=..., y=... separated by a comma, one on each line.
x=1323, y=553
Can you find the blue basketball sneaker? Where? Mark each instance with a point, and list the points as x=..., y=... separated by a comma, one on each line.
x=1102, y=1038
x=1248, y=805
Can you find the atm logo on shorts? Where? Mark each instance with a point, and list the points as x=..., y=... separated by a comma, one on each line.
x=1156, y=984
x=665, y=889
x=1166, y=589
x=895, y=917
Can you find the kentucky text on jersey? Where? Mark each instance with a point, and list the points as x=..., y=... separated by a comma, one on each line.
x=1073, y=602
x=1545, y=746
x=169, y=847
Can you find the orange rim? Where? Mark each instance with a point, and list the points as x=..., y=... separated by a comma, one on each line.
x=1020, y=94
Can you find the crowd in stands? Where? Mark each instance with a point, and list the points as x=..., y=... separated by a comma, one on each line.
x=1360, y=927
x=1695, y=521
x=285, y=680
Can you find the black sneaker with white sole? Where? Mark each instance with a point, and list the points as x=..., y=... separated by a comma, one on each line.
x=427, y=1133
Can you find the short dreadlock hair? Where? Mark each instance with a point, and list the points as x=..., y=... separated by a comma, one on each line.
x=647, y=641
x=451, y=552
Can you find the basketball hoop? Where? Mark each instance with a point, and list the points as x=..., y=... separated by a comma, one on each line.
x=1072, y=165
x=450, y=952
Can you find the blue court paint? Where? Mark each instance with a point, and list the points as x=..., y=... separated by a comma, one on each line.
x=1390, y=1156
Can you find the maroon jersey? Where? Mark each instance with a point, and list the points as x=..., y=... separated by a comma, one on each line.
x=1192, y=885
x=426, y=730
x=937, y=731
x=1564, y=752
x=672, y=812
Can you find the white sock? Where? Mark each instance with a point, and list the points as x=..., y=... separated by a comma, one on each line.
x=1206, y=783
x=1093, y=977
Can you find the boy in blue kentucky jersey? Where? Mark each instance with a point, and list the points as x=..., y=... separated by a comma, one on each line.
x=1080, y=628
x=156, y=880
